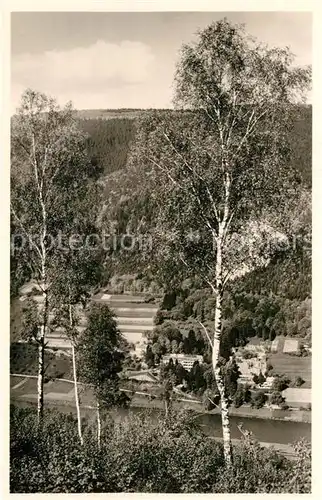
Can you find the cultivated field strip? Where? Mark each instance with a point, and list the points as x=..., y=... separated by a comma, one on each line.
x=133, y=316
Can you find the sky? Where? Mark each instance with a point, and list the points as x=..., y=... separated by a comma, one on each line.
x=126, y=60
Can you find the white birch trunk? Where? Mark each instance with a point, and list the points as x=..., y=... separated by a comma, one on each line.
x=41, y=354
x=79, y=421
x=166, y=407
x=98, y=416
x=215, y=355
x=40, y=380
x=43, y=256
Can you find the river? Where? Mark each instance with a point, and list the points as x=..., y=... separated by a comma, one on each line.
x=264, y=430
x=268, y=431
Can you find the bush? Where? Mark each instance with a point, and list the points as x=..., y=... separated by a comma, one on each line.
x=258, y=400
x=261, y=378
x=280, y=383
x=149, y=299
x=167, y=455
x=276, y=398
x=160, y=316
x=249, y=354
x=298, y=382
x=239, y=397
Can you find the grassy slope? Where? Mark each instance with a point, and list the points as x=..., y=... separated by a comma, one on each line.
x=292, y=367
x=24, y=359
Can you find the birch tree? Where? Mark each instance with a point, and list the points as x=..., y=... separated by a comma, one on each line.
x=79, y=266
x=80, y=271
x=48, y=164
x=219, y=166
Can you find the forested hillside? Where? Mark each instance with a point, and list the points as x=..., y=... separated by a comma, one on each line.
x=112, y=130
x=300, y=136
x=109, y=142
x=269, y=301
x=286, y=280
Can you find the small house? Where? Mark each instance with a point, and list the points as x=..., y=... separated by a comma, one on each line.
x=141, y=376
x=275, y=345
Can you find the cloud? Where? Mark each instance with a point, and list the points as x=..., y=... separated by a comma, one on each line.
x=82, y=70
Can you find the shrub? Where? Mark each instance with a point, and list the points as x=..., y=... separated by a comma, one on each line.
x=249, y=354
x=167, y=455
x=239, y=397
x=276, y=398
x=261, y=378
x=280, y=383
x=298, y=382
x=160, y=316
x=149, y=299
x=258, y=400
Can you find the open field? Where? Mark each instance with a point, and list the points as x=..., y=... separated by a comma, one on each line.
x=292, y=367
x=24, y=359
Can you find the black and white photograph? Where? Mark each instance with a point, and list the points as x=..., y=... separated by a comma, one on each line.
x=160, y=251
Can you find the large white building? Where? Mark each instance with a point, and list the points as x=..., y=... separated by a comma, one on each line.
x=186, y=360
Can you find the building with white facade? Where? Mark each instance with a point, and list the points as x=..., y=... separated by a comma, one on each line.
x=186, y=360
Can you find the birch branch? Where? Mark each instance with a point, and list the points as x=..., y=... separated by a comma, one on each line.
x=206, y=332
x=24, y=230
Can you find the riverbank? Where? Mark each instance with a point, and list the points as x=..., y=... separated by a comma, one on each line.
x=242, y=411
x=212, y=431
x=62, y=390
x=265, y=426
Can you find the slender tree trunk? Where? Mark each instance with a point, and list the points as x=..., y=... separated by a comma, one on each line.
x=44, y=284
x=41, y=356
x=40, y=380
x=71, y=324
x=79, y=421
x=98, y=416
x=215, y=356
x=166, y=407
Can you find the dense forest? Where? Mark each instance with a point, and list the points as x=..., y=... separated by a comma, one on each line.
x=281, y=290
x=109, y=142
x=110, y=138
x=269, y=301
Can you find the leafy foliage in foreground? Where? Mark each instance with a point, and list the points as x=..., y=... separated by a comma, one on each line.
x=141, y=455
